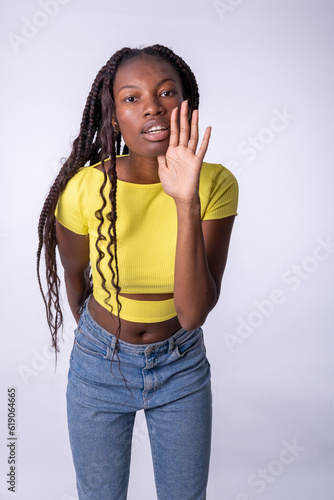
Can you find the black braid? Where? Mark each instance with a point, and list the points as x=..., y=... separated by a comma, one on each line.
x=97, y=141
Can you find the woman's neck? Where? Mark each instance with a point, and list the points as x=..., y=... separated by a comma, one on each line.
x=138, y=170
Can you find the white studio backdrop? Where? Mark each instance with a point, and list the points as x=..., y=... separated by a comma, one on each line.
x=265, y=73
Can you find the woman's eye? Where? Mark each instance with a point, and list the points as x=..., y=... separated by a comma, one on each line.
x=130, y=99
x=168, y=93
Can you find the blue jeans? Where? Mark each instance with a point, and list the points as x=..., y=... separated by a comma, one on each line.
x=170, y=380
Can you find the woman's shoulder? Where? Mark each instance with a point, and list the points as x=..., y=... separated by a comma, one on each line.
x=218, y=190
x=85, y=176
x=216, y=173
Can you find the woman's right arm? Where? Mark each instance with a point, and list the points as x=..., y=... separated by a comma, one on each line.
x=74, y=255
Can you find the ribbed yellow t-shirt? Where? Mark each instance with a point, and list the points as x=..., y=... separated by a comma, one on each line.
x=146, y=230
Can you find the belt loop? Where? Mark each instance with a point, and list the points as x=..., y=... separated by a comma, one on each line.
x=112, y=343
x=171, y=344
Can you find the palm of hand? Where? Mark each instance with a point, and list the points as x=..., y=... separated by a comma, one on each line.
x=179, y=169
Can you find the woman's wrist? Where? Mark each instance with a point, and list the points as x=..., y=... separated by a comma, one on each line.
x=187, y=207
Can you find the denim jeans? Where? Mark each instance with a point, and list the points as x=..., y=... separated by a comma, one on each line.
x=170, y=380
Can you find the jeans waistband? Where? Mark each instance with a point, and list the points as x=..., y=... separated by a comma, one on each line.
x=168, y=344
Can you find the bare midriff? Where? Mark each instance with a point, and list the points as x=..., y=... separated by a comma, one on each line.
x=135, y=333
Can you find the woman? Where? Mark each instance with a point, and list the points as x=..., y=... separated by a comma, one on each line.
x=143, y=238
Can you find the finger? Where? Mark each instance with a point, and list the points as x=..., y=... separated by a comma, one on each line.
x=205, y=143
x=174, y=128
x=184, y=124
x=193, y=141
x=162, y=163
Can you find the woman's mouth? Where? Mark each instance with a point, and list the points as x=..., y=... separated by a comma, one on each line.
x=156, y=133
x=156, y=130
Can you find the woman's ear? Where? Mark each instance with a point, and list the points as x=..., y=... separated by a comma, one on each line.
x=114, y=123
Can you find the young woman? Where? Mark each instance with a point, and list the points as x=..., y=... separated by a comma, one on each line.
x=143, y=238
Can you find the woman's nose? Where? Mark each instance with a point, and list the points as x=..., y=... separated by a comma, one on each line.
x=153, y=106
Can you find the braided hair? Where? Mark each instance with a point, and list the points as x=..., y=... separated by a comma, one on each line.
x=97, y=141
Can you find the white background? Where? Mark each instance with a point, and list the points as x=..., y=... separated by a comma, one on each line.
x=265, y=73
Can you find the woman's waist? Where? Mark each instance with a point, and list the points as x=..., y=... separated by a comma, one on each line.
x=142, y=321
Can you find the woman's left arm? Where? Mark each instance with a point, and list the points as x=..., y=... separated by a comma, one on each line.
x=200, y=260
x=202, y=247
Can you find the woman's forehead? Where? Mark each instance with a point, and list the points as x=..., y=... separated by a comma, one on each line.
x=145, y=66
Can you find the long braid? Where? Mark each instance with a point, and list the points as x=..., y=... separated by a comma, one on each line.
x=83, y=150
x=97, y=141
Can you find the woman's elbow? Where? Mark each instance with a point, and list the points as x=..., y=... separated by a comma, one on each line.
x=192, y=315
x=191, y=320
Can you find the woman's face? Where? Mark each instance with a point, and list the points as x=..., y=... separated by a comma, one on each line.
x=146, y=90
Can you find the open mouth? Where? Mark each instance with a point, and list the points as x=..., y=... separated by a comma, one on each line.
x=155, y=130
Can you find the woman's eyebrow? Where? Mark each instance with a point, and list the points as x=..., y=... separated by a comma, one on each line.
x=128, y=86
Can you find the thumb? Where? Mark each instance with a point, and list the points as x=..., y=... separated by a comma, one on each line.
x=162, y=161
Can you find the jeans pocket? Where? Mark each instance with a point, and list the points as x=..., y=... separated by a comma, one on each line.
x=190, y=344
x=89, y=344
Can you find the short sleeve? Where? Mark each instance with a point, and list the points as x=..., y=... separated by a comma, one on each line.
x=68, y=211
x=220, y=192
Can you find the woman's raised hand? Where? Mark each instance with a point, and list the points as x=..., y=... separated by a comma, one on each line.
x=179, y=168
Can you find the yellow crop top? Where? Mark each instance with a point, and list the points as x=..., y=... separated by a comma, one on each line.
x=146, y=230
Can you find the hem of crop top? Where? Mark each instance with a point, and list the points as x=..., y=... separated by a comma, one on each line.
x=142, y=311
